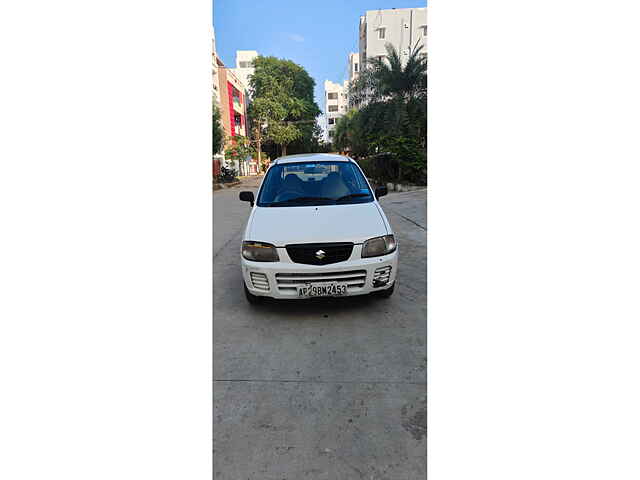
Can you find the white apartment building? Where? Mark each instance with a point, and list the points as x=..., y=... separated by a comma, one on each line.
x=354, y=66
x=217, y=157
x=216, y=78
x=354, y=70
x=402, y=27
x=336, y=104
x=243, y=65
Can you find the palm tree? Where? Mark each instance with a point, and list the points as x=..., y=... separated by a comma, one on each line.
x=388, y=79
x=391, y=93
x=390, y=96
x=343, y=131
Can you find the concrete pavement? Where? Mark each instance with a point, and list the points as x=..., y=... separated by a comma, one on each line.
x=229, y=213
x=320, y=389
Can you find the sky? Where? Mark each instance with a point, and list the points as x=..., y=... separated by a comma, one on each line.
x=318, y=35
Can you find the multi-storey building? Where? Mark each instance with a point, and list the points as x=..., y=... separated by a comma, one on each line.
x=354, y=70
x=244, y=67
x=232, y=102
x=354, y=66
x=233, y=110
x=336, y=104
x=230, y=96
x=216, y=81
x=403, y=28
x=218, y=158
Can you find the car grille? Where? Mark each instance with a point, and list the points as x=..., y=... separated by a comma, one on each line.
x=307, y=253
x=288, y=283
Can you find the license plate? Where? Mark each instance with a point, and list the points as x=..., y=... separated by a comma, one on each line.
x=323, y=290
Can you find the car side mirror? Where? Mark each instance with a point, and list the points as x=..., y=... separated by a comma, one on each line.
x=381, y=191
x=247, y=197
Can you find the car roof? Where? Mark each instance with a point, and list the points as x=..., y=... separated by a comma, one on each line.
x=311, y=157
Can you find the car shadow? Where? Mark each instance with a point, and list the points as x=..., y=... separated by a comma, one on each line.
x=325, y=305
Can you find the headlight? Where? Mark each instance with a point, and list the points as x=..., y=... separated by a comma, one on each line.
x=259, y=252
x=375, y=247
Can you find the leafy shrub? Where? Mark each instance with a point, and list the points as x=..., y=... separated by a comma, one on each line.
x=403, y=160
x=380, y=168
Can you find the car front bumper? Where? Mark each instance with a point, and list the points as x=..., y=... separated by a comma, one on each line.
x=281, y=279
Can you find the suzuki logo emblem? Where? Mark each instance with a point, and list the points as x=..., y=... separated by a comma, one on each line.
x=320, y=254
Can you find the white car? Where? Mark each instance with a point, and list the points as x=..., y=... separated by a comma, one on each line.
x=317, y=230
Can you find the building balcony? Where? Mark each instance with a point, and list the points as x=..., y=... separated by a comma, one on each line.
x=237, y=106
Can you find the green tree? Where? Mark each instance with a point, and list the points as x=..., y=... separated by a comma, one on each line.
x=218, y=131
x=282, y=94
x=345, y=131
x=391, y=97
x=392, y=94
x=239, y=148
x=310, y=139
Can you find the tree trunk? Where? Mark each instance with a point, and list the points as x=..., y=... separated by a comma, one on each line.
x=259, y=142
x=259, y=153
x=284, y=149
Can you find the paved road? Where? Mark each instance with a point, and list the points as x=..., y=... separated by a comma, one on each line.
x=320, y=389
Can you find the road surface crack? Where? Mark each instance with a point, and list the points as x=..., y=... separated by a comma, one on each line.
x=409, y=220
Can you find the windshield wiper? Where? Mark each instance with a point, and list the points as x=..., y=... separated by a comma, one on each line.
x=353, y=195
x=301, y=200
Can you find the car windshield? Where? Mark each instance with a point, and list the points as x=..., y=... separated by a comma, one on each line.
x=314, y=183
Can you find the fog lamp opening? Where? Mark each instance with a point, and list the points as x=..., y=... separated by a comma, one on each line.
x=381, y=277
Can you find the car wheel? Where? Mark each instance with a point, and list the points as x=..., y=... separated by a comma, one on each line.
x=386, y=293
x=251, y=298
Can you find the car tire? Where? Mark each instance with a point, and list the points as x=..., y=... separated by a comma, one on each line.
x=386, y=293
x=251, y=298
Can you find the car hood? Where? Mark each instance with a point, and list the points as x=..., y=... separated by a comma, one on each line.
x=316, y=224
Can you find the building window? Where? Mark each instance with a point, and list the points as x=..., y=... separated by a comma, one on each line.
x=424, y=31
x=355, y=67
x=245, y=64
x=333, y=108
x=381, y=32
x=332, y=96
x=332, y=121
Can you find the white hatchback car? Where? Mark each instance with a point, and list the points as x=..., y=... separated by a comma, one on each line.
x=317, y=230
